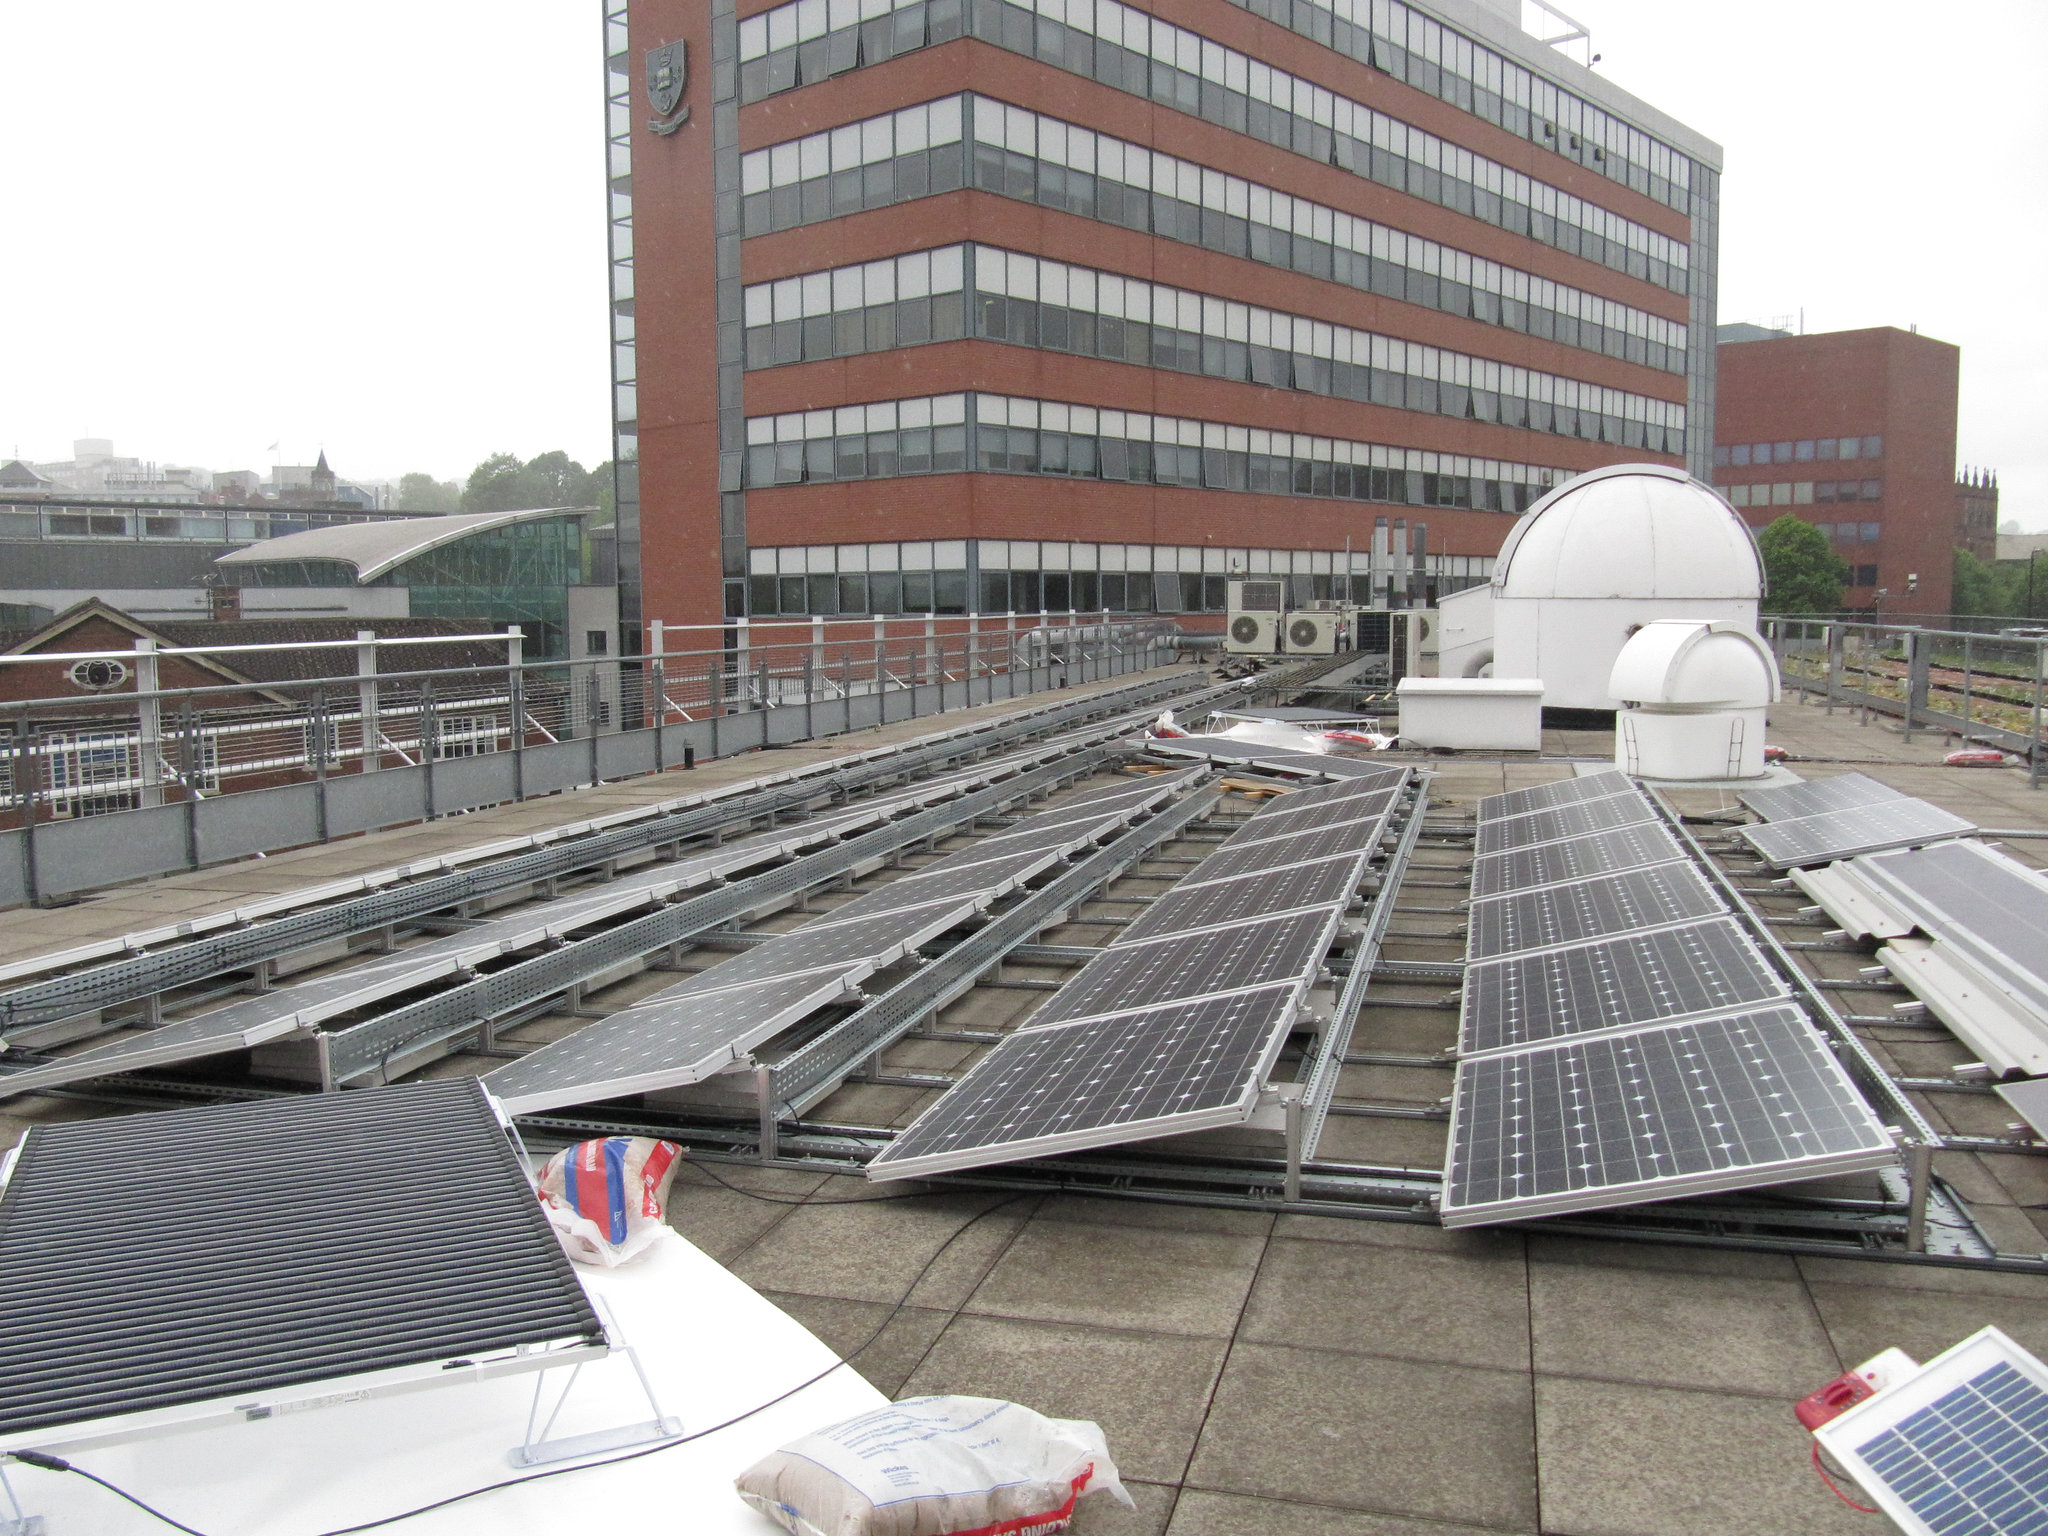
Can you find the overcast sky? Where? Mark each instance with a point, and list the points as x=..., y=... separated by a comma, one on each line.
x=378, y=228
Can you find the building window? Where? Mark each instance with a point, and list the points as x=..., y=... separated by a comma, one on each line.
x=595, y=642
x=1866, y=576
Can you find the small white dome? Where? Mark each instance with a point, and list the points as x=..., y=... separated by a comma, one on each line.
x=1631, y=531
x=1684, y=662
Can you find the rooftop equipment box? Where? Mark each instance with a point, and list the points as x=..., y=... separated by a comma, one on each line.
x=1487, y=714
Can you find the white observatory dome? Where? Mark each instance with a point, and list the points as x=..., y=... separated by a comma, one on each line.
x=1638, y=531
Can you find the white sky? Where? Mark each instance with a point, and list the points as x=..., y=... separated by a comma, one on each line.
x=378, y=228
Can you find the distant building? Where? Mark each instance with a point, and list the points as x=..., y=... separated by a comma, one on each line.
x=16, y=476
x=1977, y=513
x=1855, y=432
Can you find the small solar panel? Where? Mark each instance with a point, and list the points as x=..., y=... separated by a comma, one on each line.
x=1722, y=1103
x=1959, y=1448
x=1327, y=882
x=1843, y=792
x=1704, y=967
x=1176, y=966
x=1589, y=909
x=1562, y=821
x=1542, y=797
x=1831, y=835
x=1578, y=858
x=1160, y=1072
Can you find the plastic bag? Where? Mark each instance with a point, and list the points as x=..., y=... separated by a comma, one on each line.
x=935, y=1466
x=605, y=1198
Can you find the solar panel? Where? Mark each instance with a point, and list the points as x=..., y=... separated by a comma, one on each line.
x=1355, y=808
x=1578, y=858
x=1589, y=909
x=1227, y=749
x=1236, y=858
x=1542, y=797
x=1832, y=835
x=990, y=878
x=1958, y=1448
x=1969, y=894
x=671, y=1038
x=372, y=1231
x=1324, y=883
x=1843, y=792
x=1159, y=1072
x=1561, y=822
x=1731, y=1102
x=1317, y=795
x=1192, y=965
x=1610, y=984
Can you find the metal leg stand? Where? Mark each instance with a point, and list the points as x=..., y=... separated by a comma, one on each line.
x=536, y=1450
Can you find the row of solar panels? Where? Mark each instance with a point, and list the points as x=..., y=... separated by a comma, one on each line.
x=1174, y=1027
x=1621, y=1038
x=1821, y=820
x=700, y=1026
x=288, y=1010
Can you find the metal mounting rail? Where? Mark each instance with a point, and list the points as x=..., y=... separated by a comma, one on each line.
x=825, y=1060
x=148, y=975
x=369, y=1048
x=1329, y=1066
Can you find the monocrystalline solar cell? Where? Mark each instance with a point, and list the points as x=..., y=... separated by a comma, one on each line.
x=1328, y=882
x=1843, y=792
x=1958, y=1448
x=1388, y=782
x=1820, y=839
x=1161, y=1072
x=1356, y=808
x=1542, y=797
x=1578, y=858
x=1561, y=822
x=1236, y=858
x=1703, y=967
x=1193, y=965
x=1746, y=1099
x=1589, y=909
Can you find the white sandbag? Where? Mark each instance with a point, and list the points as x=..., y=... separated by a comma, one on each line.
x=935, y=1466
x=606, y=1199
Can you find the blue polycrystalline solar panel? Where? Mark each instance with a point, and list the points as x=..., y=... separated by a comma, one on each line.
x=1327, y=882
x=1843, y=792
x=1589, y=909
x=1958, y=1449
x=1561, y=822
x=1821, y=839
x=1700, y=968
x=1730, y=1102
x=1155, y=1072
x=1542, y=797
x=1251, y=954
x=1578, y=858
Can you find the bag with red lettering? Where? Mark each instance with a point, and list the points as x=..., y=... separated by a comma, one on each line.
x=605, y=1198
x=935, y=1466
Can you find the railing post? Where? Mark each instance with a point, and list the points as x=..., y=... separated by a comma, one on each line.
x=192, y=750
x=652, y=682
x=149, y=724
x=429, y=735
x=366, y=700
x=1919, y=661
x=515, y=701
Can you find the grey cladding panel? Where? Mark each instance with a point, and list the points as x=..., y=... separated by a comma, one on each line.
x=1590, y=909
x=1704, y=967
x=1750, y=1098
x=1090, y=1084
x=1843, y=792
x=1193, y=965
x=1542, y=797
x=1577, y=858
x=1831, y=835
x=1561, y=822
x=1325, y=883
x=371, y=1230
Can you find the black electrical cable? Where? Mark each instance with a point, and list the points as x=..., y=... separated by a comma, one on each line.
x=58, y=1464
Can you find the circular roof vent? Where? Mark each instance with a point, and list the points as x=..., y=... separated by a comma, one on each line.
x=1244, y=629
x=1631, y=531
x=98, y=676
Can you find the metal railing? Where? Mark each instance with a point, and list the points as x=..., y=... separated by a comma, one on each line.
x=1983, y=688
x=130, y=780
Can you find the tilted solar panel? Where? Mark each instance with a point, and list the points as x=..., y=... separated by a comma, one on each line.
x=1705, y=967
x=1577, y=858
x=1561, y=822
x=1729, y=1102
x=1326, y=882
x=1624, y=902
x=1541, y=797
x=1811, y=797
x=1831, y=835
x=1330, y=813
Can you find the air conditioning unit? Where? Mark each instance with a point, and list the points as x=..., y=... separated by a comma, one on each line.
x=1311, y=634
x=1252, y=634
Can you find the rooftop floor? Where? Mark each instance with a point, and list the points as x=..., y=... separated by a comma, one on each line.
x=1262, y=1375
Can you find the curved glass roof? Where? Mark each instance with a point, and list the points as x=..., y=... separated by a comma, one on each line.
x=374, y=548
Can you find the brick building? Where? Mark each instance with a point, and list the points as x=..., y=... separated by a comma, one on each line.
x=1854, y=431
x=956, y=306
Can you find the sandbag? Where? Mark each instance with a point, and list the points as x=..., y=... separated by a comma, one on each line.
x=606, y=1198
x=935, y=1466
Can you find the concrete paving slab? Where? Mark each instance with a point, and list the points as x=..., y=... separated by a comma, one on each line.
x=1404, y=1437
x=1861, y=1320
x=724, y=1222
x=873, y=1249
x=890, y=1343
x=1202, y=1513
x=1140, y=1276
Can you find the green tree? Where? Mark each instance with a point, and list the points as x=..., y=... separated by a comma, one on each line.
x=423, y=493
x=1989, y=591
x=502, y=484
x=499, y=484
x=1802, y=572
